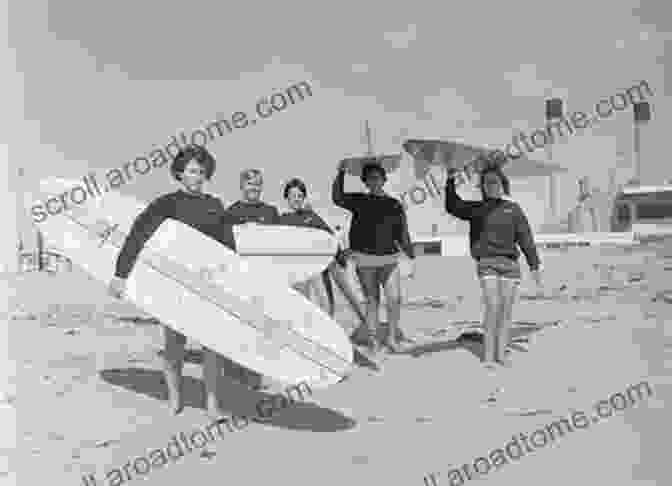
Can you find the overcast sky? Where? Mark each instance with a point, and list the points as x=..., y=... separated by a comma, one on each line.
x=99, y=83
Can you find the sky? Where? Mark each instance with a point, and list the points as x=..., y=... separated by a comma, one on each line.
x=98, y=84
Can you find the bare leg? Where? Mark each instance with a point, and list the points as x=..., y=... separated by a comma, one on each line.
x=490, y=289
x=350, y=290
x=173, y=362
x=508, y=293
x=393, y=305
x=212, y=366
x=371, y=286
x=329, y=290
x=319, y=293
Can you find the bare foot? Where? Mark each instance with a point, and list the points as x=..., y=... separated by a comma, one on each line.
x=394, y=346
x=215, y=412
x=505, y=360
x=176, y=406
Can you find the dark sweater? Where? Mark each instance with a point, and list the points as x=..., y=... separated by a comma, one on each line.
x=306, y=218
x=496, y=227
x=378, y=222
x=259, y=212
x=204, y=213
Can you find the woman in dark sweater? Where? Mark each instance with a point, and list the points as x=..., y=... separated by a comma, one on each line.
x=497, y=227
x=377, y=231
x=192, y=166
x=295, y=193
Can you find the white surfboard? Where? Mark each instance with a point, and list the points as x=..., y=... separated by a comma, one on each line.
x=291, y=253
x=200, y=288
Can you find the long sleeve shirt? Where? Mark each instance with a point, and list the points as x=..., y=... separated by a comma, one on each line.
x=496, y=227
x=378, y=225
x=259, y=212
x=204, y=213
x=306, y=218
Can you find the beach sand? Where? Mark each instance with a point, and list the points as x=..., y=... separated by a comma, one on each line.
x=83, y=389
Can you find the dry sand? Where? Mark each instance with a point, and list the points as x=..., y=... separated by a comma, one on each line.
x=85, y=393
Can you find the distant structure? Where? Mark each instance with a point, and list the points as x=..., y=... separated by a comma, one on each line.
x=22, y=246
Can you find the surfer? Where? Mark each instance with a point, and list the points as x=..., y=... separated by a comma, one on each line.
x=377, y=231
x=497, y=227
x=301, y=214
x=250, y=209
x=191, y=167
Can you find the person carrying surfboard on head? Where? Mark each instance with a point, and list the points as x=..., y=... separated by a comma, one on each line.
x=250, y=209
x=497, y=227
x=191, y=167
x=377, y=231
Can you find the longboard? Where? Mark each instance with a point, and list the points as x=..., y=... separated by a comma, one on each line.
x=204, y=290
x=454, y=157
x=290, y=253
x=354, y=165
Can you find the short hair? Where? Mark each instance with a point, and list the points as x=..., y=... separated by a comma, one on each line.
x=189, y=153
x=296, y=182
x=370, y=168
x=248, y=174
x=495, y=169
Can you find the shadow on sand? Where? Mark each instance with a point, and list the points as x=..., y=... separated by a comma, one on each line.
x=234, y=397
x=471, y=339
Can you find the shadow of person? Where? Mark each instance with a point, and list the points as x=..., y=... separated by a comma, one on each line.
x=472, y=340
x=235, y=398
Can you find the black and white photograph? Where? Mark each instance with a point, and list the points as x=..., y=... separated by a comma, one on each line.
x=336, y=243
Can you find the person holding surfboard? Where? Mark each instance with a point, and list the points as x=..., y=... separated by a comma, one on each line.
x=250, y=209
x=301, y=214
x=377, y=231
x=498, y=226
x=191, y=167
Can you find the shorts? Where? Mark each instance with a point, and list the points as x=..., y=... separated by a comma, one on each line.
x=379, y=261
x=499, y=267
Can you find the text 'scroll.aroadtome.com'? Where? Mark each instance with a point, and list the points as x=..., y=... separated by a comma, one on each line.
x=195, y=440
x=161, y=156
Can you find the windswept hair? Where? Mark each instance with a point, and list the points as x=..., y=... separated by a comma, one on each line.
x=371, y=167
x=193, y=152
x=296, y=182
x=250, y=174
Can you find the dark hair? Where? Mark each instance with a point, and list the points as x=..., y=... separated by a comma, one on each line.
x=294, y=183
x=506, y=184
x=193, y=152
x=371, y=167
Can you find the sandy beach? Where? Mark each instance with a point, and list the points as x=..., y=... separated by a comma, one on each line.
x=87, y=393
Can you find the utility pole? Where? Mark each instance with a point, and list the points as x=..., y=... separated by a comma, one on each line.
x=642, y=114
x=553, y=112
x=367, y=135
